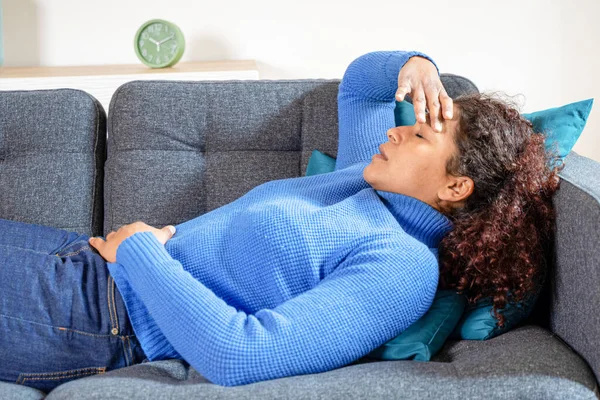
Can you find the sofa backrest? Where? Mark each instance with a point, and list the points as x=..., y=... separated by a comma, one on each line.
x=179, y=149
x=52, y=151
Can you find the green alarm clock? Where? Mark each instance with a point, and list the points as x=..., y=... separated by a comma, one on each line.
x=159, y=43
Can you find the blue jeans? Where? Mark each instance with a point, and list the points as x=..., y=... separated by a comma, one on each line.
x=61, y=315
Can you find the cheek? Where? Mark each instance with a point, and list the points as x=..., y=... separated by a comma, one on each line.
x=405, y=166
x=415, y=169
x=433, y=172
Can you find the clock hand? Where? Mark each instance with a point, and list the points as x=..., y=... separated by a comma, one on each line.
x=167, y=39
x=153, y=41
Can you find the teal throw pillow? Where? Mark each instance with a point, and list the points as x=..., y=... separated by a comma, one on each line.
x=563, y=125
x=319, y=163
x=425, y=337
x=478, y=321
x=404, y=114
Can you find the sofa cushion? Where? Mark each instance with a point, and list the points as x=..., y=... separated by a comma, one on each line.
x=52, y=151
x=214, y=142
x=528, y=362
x=13, y=391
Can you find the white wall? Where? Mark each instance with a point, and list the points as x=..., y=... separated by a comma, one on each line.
x=545, y=51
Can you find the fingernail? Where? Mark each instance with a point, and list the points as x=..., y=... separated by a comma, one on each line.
x=172, y=229
x=438, y=126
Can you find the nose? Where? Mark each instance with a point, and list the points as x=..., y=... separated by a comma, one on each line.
x=394, y=134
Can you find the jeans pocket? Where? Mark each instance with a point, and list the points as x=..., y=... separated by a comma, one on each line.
x=47, y=381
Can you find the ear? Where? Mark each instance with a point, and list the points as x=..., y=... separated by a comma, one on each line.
x=457, y=189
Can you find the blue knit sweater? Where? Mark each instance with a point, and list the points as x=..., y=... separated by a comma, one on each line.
x=299, y=275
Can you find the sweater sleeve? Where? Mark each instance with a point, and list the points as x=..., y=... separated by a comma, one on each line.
x=366, y=103
x=137, y=311
x=380, y=288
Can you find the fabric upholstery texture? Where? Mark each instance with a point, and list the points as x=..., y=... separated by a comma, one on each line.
x=52, y=151
x=221, y=147
x=576, y=271
x=226, y=137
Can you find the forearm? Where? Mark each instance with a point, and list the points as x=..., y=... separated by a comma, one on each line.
x=231, y=347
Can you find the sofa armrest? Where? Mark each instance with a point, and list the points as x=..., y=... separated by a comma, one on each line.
x=575, y=283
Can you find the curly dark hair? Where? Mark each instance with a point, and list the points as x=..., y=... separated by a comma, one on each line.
x=496, y=248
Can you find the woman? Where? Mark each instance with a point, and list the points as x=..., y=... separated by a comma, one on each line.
x=299, y=275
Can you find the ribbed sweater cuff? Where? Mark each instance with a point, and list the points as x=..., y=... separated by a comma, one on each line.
x=141, y=250
x=397, y=60
x=153, y=342
x=144, y=261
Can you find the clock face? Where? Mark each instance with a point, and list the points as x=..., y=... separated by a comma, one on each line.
x=159, y=43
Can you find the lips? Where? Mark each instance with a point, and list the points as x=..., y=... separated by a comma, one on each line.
x=382, y=152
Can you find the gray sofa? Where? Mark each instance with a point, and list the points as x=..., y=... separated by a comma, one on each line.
x=64, y=163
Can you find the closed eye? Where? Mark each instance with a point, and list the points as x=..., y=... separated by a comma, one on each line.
x=419, y=135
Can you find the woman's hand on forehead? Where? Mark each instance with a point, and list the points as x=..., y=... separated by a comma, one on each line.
x=420, y=80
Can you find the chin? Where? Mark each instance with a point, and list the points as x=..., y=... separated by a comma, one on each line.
x=367, y=175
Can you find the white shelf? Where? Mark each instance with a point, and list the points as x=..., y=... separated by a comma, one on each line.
x=102, y=81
